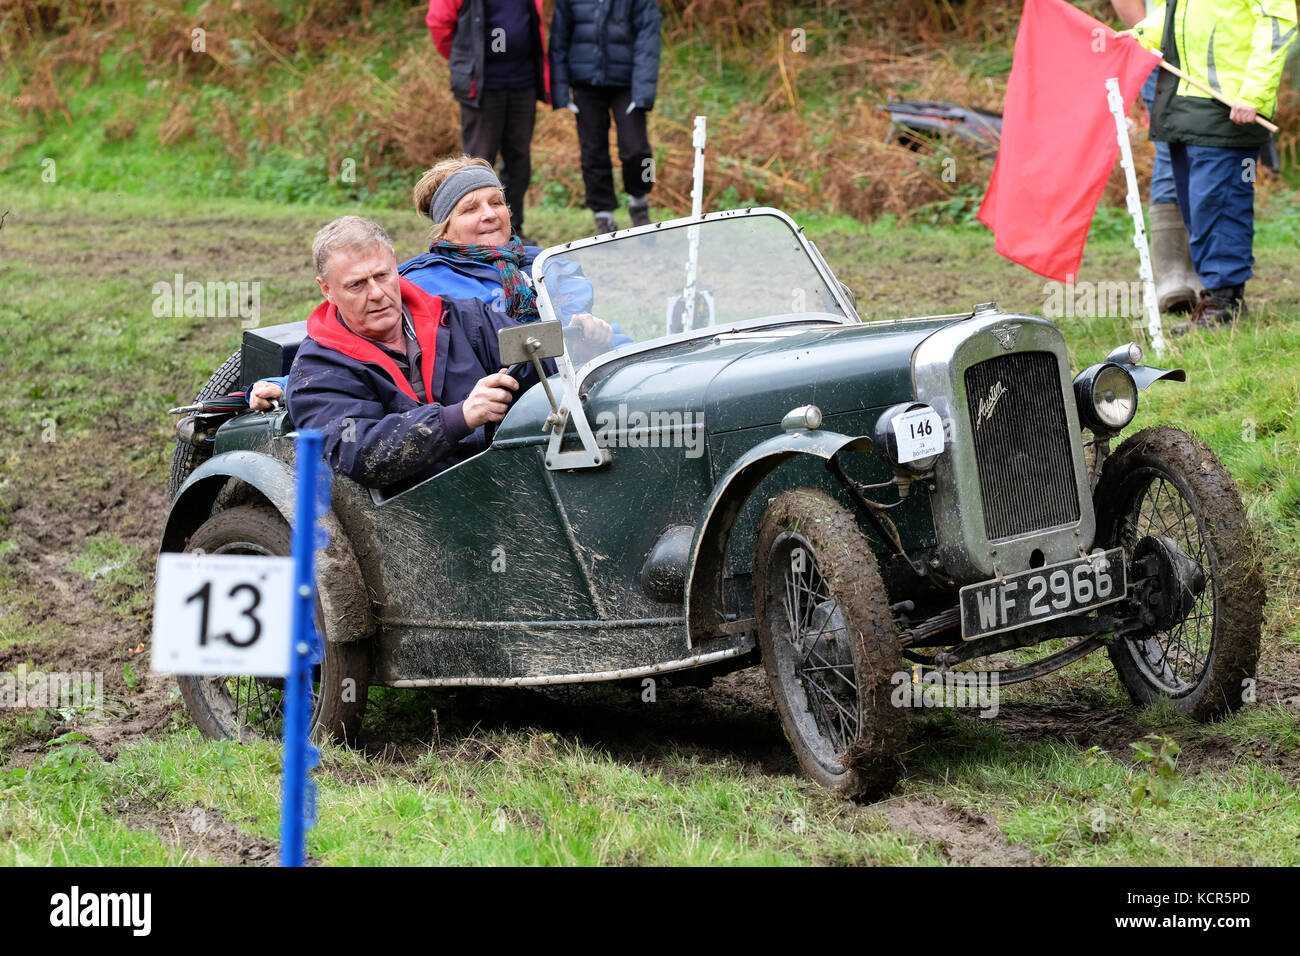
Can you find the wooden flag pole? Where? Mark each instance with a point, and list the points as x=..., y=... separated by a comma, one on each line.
x=1272, y=128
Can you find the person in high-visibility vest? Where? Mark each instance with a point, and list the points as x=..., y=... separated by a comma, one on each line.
x=1236, y=48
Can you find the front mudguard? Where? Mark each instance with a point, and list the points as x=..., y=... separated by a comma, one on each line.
x=708, y=553
x=1144, y=376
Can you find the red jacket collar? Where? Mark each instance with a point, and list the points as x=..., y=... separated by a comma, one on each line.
x=325, y=328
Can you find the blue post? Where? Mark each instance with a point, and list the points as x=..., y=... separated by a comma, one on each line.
x=297, y=795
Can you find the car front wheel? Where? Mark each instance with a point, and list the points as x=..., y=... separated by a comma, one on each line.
x=1165, y=498
x=830, y=645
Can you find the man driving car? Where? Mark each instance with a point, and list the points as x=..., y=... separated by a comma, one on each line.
x=402, y=383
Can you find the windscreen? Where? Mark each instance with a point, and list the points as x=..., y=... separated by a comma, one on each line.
x=734, y=270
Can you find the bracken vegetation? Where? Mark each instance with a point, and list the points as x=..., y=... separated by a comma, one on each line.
x=341, y=100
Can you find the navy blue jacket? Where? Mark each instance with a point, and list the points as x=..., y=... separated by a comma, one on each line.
x=377, y=434
x=605, y=43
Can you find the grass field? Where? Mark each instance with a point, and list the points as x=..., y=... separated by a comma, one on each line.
x=587, y=775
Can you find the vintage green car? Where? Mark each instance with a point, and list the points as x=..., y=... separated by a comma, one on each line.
x=760, y=477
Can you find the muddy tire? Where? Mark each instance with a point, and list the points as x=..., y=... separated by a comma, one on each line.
x=829, y=643
x=249, y=707
x=187, y=457
x=1161, y=486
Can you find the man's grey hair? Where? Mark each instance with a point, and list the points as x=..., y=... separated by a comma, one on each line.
x=347, y=232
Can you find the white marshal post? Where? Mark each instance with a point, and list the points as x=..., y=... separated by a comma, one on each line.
x=1116, y=103
x=698, y=138
x=693, y=232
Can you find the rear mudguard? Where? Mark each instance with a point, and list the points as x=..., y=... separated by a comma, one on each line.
x=342, y=589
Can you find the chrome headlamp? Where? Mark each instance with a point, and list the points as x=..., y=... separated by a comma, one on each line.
x=909, y=436
x=1107, y=397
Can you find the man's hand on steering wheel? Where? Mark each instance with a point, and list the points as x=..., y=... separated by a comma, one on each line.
x=490, y=399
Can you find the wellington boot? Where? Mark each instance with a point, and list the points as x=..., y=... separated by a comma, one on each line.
x=1177, y=285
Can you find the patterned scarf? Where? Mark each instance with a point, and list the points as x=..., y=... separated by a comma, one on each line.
x=521, y=299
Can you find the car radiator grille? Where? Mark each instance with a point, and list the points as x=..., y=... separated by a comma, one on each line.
x=1022, y=444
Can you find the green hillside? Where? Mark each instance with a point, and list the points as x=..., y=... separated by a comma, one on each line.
x=342, y=101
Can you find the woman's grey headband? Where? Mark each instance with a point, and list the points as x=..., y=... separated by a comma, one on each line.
x=456, y=187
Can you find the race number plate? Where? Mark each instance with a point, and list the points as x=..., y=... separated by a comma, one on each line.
x=919, y=434
x=1041, y=594
x=222, y=614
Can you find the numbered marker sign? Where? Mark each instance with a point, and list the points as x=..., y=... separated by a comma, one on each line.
x=919, y=433
x=222, y=614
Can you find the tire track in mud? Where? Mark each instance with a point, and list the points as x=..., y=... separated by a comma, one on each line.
x=962, y=836
x=61, y=501
x=205, y=836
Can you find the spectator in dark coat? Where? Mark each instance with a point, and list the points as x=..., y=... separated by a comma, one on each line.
x=605, y=59
x=497, y=54
x=402, y=383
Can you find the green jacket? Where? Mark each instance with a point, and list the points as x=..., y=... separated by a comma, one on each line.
x=1236, y=47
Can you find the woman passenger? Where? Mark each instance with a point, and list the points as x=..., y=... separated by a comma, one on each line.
x=472, y=252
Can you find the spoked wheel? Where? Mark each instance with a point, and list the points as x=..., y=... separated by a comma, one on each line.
x=256, y=703
x=242, y=707
x=1165, y=498
x=829, y=643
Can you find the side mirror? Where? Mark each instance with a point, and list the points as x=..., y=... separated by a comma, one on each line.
x=532, y=342
x=529, y=342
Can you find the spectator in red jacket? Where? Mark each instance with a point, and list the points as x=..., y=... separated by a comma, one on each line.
x=497, y=54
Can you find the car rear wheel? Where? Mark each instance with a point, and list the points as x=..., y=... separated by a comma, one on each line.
x=1165, y=498
x=187, y=457
x=243, y=707
x=829, y=642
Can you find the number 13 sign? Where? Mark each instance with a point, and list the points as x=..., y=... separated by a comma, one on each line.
x=222, y=614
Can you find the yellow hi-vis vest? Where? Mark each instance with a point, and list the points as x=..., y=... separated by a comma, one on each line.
x=1235, y=47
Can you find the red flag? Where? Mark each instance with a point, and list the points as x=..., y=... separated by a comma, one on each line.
x=1058, y=135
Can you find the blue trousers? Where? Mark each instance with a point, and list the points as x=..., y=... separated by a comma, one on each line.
x=1216, y=194
x=1162, y=175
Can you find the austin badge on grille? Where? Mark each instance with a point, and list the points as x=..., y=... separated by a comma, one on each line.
x=1006, y=335
x=987, y=405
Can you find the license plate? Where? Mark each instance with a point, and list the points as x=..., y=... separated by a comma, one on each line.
x=1041, y=594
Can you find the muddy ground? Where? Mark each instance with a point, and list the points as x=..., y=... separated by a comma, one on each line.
x=57, y=497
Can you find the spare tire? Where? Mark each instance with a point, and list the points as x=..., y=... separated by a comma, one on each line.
x=187, y=457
